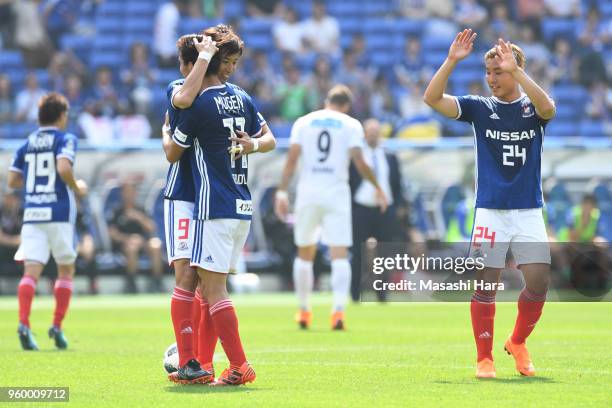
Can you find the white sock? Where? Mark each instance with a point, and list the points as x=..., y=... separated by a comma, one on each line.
x=340, y=282
x=303, y=280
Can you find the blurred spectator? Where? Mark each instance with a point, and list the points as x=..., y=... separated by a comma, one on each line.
x=501, y=24
x=599, y=104
x=382, y=103
x=288, y=32
x=86, y=246
x=30, y=34
x=26, y=103
x=139, y=78
x=320, y=82
x=535, y=52
x=583, y=221
x=562, y=63
x=76, y=97
x=293, y=95
x=11, y=218
x=166, y=32
x=132, y=231
x=418, y=120
x=104, y=92
x=471, y=14
x=97, y=128
x=358, y=45
x=476, y=88
x=412, y=8
x=591, y=68
x=7, y=104
x=321, y=31
x=131, y=128
x=62, y=64
x=263, y=95
x=358, y=79
x=530, y=9
x=7, y=22
x=440, y=8
x=563, y=8
x=262, y=8
x=261, y=71
x=593, y=33
x=59, y=17
x=411, y=68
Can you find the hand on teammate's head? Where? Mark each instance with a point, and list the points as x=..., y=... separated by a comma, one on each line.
x=206, y=44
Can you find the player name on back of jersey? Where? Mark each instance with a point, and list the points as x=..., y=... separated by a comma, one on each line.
x=229, y=104
x=512, y=136
x=41, y=141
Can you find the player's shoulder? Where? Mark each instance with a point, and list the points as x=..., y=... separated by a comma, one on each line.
x=173, y=85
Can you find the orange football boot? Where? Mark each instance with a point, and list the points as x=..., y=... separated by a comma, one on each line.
x=521, y=356
x=485, y=368
x=337, y=321
x=304, y=318
x=245, y=374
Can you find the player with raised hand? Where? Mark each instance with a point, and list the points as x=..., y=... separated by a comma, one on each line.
x=326, y=140
x=221, y=118
x=43, y=167
x=194, y=54
x=508, y=131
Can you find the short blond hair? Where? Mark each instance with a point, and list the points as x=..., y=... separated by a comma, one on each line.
x=340, y=95
x=518, y=53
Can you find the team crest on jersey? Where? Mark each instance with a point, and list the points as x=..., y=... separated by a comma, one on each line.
x=527, y=110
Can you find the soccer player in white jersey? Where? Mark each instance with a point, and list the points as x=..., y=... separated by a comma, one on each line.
x=508, y=132
x=218, y=132
x=326, y=140
x=43, y=167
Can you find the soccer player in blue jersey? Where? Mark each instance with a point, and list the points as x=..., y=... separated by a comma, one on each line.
x=43, y=168
x=218, y=132
x=508, y=132
x=179, y=196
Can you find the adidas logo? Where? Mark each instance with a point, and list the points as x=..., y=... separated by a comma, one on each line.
x=494, y=116
x=187, y=330
x=485, y=335
x=209, y=259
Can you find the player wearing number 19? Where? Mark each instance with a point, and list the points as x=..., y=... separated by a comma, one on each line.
x=508, y=132
x=44, y=164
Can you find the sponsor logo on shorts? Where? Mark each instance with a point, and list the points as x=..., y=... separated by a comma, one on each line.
x=183, y=246
x=209, y=259
x=37, y=214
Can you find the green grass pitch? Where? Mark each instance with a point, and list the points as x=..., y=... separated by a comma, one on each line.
x=410, y=354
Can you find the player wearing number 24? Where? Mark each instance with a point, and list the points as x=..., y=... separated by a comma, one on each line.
x=43, y=167
x=508, y=132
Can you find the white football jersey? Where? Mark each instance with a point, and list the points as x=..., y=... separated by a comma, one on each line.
x=325, y=137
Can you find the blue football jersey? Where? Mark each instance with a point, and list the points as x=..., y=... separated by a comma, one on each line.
x=220, y=181
x=508, y=142
x=46, y=197
x=179, y=181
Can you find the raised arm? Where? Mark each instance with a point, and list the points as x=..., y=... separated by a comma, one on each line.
x=544, y=105
x=434, y=94
x=187, y=93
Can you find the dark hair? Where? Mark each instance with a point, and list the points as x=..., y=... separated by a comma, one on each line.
x=51, y=107
x=340, y=95
x=228, y=43
x=590, y=198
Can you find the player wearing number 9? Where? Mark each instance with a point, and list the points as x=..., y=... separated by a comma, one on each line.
x=508, y=131
x=221, y=117
x=325, y=140
x=43, y=166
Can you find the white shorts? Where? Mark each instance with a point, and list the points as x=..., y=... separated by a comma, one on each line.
x=178, y=225
x=521, y=231
x=40, y=240
x=331, y=220
x=217, y=244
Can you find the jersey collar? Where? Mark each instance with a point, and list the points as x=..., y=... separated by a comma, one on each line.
x=510, y=103
x=213, y=87
x=43, y=128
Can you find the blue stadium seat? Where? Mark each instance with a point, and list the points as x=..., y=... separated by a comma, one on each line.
x=195, y=25
x=409, y=27
x=379, y=7
x=112, y=59
x=434, y=59
x=140, y=8
x=568, y=112
x=382, y=58
x=140, y=25
x=553, y=28
x=43, y=78
x=165, y=76
x=281, y=130
x=592, y=128
x=107, y=43
x=558, y=204
x=257, y=41
x=233, y=9
x=452, y=196
x=562, y=128
x=75, y=42
x=574, y=94
x=10, y=59
x=107, y=25
x=350, y=26
x=435, y=44
x=256, y=25
x=111, y=9
x=347, y=9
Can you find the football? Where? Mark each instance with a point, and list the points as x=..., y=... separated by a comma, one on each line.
x=171, y=358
